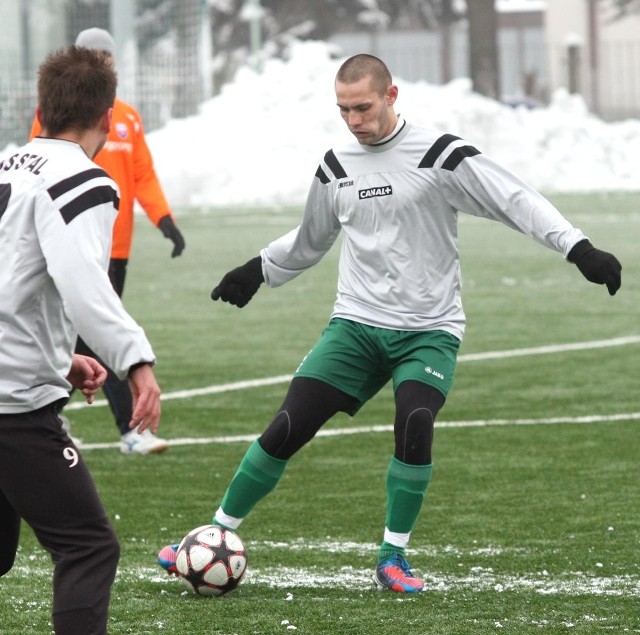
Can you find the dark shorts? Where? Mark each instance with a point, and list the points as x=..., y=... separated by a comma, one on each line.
x=359, y=359
x=44, y=480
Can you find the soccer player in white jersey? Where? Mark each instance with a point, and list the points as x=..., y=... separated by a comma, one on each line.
x=394, y=192
x=57, y=210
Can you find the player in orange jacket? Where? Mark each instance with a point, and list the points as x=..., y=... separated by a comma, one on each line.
x=127, y=160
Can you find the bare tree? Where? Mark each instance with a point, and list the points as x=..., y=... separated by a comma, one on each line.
x=446, y=17
x=285, y=20
x=625, y=7
x=483, y=47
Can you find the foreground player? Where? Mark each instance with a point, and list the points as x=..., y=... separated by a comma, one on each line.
x=126, y=158
x=398, y=315
x=57, y=210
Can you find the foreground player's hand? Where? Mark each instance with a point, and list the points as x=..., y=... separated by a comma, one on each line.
x=597, y=266
x=170, y=231
x=146, y=398
x=87, y=375
x=239, y=285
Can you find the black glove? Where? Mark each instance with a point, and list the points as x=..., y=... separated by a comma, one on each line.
x=170, y=231
x=240, y=285
x=596, y=266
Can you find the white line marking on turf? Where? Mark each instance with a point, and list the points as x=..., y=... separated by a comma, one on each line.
x=551, y=348
x=625, y=416
x=480, y=577
x=471, y=357
x=477, y=578
x=199, y=392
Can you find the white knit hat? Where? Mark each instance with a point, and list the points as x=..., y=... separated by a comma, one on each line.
x=97, y=39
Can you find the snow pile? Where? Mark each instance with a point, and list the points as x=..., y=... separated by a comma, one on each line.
x=259, y=141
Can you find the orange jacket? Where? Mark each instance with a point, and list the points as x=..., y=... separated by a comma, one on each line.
x=127, y=160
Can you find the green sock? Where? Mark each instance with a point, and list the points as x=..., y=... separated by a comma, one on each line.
x=257, y=474
x=406, y=488
x=387, y=549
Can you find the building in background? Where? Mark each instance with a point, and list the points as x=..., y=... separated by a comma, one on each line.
x=441, y=55
x=593, y=54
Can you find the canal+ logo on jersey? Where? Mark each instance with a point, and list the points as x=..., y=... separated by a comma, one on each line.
x=372, y=192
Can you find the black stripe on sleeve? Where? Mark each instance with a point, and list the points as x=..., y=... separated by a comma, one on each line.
x=324, y=179
x=95, y=196
x=430, y=158
x=5, y=195
x=68, y=184
x=458, y=155
x=334, y=165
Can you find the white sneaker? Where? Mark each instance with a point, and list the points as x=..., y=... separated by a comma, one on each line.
x=143, y=443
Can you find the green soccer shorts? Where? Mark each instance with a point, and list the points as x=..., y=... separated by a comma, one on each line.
x=359, y=359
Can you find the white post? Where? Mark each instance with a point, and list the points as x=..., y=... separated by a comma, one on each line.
x=255, y=19
x=122, y=19
x=206, y=51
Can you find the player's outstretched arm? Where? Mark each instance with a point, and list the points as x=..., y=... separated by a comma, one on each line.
x=146, y=398
x=239, y=285
x=596, y=266
x=87, y=375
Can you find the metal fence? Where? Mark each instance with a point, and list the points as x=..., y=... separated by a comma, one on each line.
x=162, y=67
x=418, y=55
x=17, y=103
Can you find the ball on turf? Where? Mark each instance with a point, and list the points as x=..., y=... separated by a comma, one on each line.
x=211, y=560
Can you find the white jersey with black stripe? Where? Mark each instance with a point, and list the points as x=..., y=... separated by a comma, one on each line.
x=397, y=203
x=57, y=210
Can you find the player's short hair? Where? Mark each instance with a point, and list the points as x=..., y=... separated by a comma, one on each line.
x=76, y=86
x=362, y=65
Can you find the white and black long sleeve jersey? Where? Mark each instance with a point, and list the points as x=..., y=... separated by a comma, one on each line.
x=397, y=203
x=57, y=210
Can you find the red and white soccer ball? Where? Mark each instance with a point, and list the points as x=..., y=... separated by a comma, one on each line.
x=211, y=560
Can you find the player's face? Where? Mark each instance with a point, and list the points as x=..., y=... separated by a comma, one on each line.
x=368, y=114
x=108, y=57
x=105, y=123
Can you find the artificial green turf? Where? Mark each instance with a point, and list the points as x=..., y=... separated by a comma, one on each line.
x=526, y=528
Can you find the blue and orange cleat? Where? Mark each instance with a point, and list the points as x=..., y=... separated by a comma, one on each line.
x=167, y=558
x=395, y=574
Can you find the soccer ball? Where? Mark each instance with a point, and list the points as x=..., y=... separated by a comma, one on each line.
x=211, y=560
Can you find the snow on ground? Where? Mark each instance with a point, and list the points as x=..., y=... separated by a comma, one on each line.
x=259, y=142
